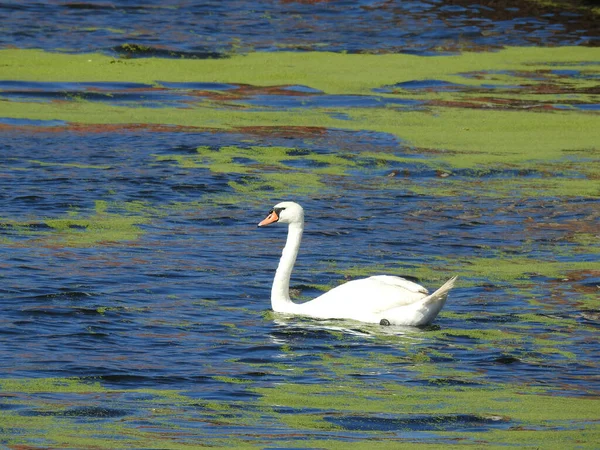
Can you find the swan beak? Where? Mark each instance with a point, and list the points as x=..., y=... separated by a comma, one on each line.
x=271, y=218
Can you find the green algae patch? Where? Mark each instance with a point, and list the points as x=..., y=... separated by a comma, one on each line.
x=555, y=145
x=73, y=413
x=465, y=138
x=494, y=268
x=75, y=232
x=518, y=268
x=512, y=186
x=447, y=132
x=329, y=72
x=556, y=419
x=262, y=170
x=78, y=230
x=56, y=385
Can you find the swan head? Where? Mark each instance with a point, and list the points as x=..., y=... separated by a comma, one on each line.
x=284, y=212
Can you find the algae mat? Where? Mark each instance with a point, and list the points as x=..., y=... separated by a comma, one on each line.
x=135, y=285
x=519, y=108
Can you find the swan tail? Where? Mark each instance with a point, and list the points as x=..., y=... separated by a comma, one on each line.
x=422, y=312
x=442, y=292
x=435, y=302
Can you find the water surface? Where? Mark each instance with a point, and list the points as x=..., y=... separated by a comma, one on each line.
x=135, y=284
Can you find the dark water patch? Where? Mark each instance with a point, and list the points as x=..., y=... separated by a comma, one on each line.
x=305, y=163
x=30, y=226
x=90, y=412
x=10, y=406
x=495, y=318
x=193, y=188
x=298, y=333
x=109, y=92
x=591, y=317
x=125, y=380
x=57, y=311
x=65, y=294
x=328, y=101
x=183, y=94
x=340, y=116
x=506, y=359
x=526, y=83
x=423, y=85
x=453, y=382
x=102, y=6
x=144, y=51
x=457, y=422
x=422, y=170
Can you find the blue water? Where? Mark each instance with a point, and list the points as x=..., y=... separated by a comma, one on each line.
x=184, y=302
x=214, y=28
x=188, y=297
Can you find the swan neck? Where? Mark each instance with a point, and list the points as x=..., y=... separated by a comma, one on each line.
x=280, y=293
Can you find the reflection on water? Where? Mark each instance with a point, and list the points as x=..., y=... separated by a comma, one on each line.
x=349, y=328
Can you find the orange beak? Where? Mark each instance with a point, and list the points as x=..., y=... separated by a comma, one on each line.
x=272, y=217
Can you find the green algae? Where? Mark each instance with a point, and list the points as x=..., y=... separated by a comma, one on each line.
x=469, y=138
x=277, y=169
x=74, y=232
x=163, y=418
x=77, y=230
x=589, y=241
x=494, y=268
x=332, y=73
x=55, y=385
x=554, y=418
x=439, y=137
x=520, y=268
x=73, y=413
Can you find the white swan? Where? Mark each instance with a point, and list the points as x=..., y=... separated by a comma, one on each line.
x=383, y=299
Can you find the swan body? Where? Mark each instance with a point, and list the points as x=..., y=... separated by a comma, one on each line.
x=380, y=299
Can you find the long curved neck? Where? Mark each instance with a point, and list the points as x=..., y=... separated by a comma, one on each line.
x=280, y=292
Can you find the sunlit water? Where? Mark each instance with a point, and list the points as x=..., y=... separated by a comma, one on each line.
x=213, y=28
x=183, y=302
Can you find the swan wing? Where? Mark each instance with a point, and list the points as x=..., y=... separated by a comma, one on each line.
x=364, y=299
x=401, y=283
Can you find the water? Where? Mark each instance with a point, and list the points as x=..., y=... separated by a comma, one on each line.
x=135, y=284
x=211, y=29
